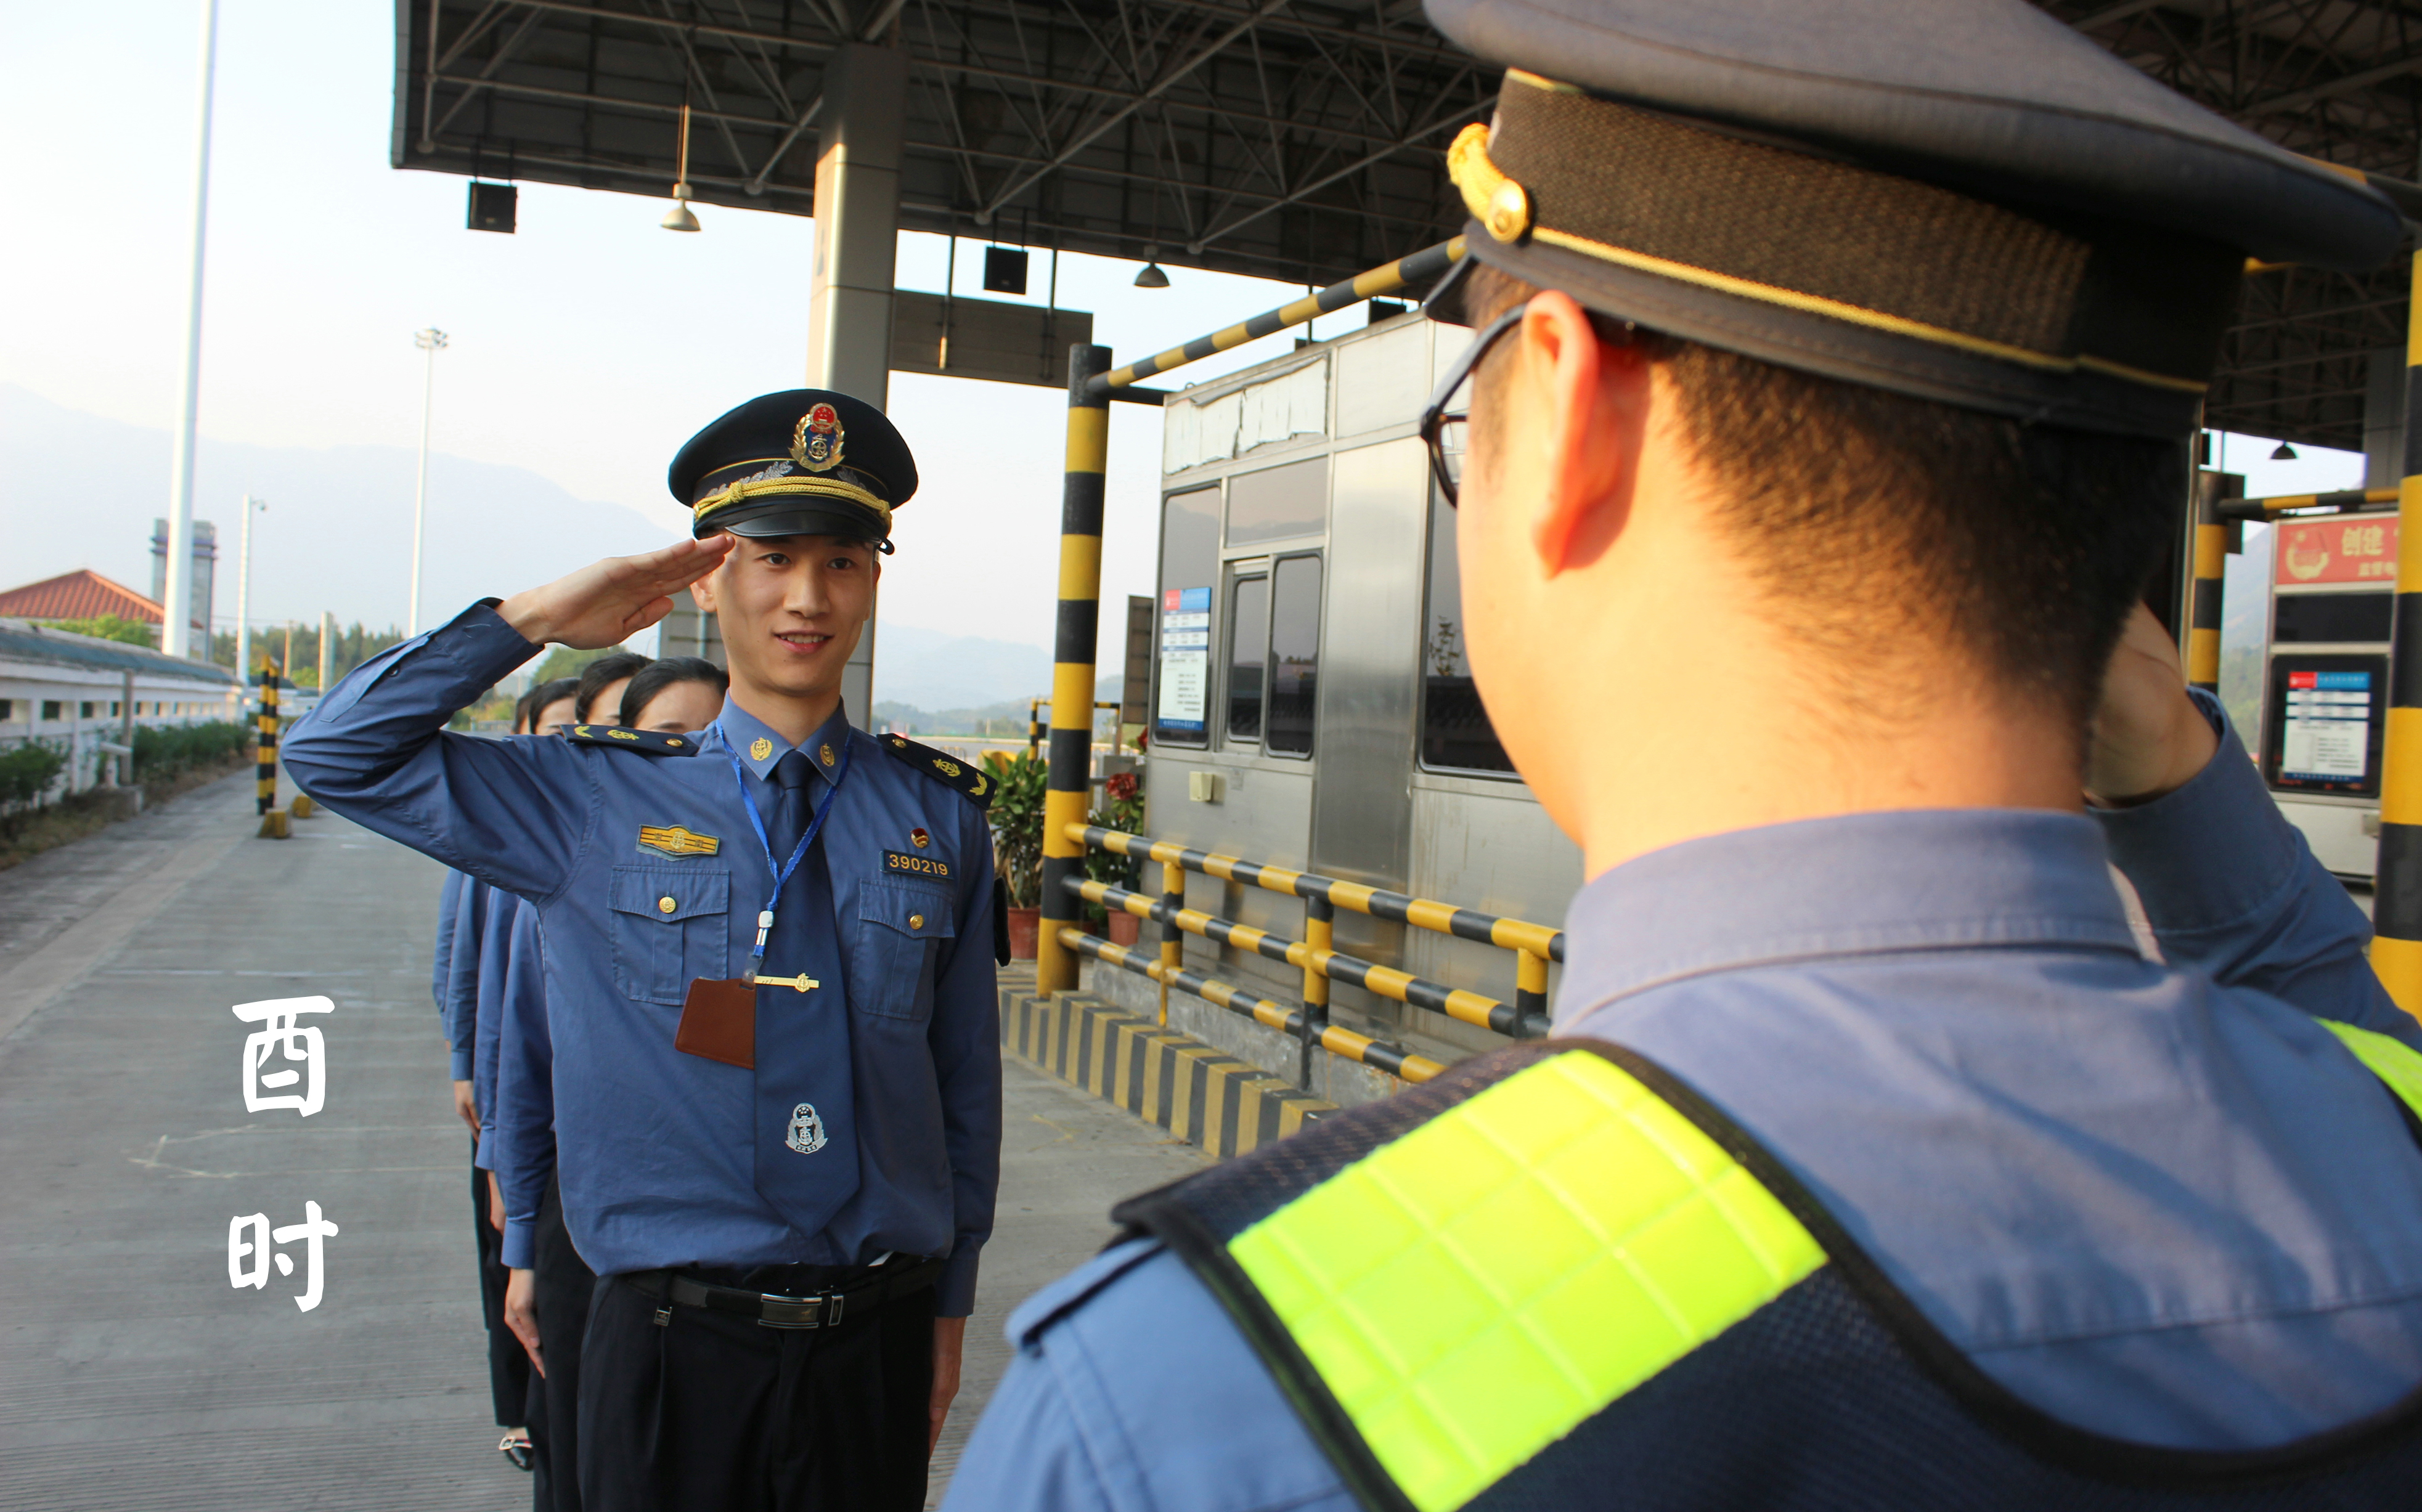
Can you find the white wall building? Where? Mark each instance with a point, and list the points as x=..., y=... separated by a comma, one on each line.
x=72, y=692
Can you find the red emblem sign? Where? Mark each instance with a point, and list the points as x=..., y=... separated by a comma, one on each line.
x=2347, y=549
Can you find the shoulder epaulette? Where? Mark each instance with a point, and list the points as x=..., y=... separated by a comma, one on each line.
x=967, y=776
x=647, y=742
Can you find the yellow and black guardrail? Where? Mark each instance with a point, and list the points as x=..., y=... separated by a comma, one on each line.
x=2342, y=501
x=1535, y=946
x=1092, y=384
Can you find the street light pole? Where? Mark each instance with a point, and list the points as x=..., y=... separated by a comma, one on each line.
x=244, y=593
x=432, y=341
x=176, y=619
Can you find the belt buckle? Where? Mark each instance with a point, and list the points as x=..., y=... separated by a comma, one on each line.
x=819, y=1311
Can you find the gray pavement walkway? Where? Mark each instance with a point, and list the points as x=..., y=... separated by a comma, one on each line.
x=132, y=1375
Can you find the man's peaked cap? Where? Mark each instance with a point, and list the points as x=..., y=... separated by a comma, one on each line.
x=1961, y=199
x=806, y=462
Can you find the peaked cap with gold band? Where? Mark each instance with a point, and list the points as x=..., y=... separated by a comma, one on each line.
x=1962, y=200
x=806, y=461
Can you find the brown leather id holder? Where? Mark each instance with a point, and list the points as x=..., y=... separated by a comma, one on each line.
x=718, y=1023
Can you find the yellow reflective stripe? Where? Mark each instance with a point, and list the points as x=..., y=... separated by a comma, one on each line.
x=2393, y=1061
x=1474, y=1291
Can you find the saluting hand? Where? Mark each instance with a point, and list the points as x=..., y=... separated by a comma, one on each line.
x=2148, y=739
x=607, y=602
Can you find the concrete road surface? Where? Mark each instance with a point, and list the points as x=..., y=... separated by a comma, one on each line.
x=133, y=1375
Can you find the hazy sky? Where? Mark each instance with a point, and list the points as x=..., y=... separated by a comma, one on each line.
x=587, y=347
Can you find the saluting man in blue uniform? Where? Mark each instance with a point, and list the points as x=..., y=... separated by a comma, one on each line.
x=769, y=981
x=1835, y=366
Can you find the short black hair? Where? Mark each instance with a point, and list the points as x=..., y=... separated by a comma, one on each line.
x=663, y=673
x=534, y=702
x=597, y=676
x=1876, y=522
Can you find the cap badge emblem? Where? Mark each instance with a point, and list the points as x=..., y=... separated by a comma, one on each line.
x=919, y=839
x=760, y=748
x=816, y=444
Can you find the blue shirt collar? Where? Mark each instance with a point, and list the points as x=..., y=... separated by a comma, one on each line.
x=1847, y=885
x=758, y=747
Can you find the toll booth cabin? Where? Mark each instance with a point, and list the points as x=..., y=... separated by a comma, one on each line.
x=1311, y=705
x=2325, y=681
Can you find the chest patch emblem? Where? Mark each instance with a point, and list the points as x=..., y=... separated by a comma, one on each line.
x=919, y=839
x=673, y=840
x=916, y=866
x=807, y=1132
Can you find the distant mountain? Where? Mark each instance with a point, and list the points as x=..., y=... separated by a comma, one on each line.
x=931, y=669
x=78, y=490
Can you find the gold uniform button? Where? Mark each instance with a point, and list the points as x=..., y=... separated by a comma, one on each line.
x=916, y=921
x=665, y=905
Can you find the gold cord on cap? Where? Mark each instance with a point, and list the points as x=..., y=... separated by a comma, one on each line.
x=1500, y=206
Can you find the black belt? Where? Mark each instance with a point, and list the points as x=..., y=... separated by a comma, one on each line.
x=824, y=1309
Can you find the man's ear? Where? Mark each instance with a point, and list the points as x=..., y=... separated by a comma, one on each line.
x=701, y=593
x=1593, y=403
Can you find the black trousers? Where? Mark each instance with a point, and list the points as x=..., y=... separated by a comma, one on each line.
x=509, y=1370
x=562, y=1282
x=713, y=1413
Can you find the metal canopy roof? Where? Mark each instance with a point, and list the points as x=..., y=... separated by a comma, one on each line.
x=1300, y=140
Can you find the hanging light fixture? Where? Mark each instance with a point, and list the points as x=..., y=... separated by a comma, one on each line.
x=679, y=218
x=2285, y=454
x=1152, y=277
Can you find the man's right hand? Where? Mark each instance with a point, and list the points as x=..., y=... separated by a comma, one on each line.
x=521, y=1314
x=607, y=602
x=466, y=1107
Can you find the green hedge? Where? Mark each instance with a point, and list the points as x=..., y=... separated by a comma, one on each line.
x=27, y=770
x=163, y=751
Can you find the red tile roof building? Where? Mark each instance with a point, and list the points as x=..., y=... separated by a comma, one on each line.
x=80, y=595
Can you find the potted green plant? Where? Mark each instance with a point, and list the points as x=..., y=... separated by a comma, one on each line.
x=1124, y=811
x=1016, y=816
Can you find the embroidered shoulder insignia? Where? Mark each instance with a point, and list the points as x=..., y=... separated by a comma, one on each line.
x=970, y=780
x=648, y=742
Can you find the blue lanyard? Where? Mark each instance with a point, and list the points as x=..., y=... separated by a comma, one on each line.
x=781, y=874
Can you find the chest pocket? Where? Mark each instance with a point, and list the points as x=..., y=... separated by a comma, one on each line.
x=671, y=924
x=896, y=944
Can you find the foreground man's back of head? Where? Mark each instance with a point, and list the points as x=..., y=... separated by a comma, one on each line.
x=1827, y=413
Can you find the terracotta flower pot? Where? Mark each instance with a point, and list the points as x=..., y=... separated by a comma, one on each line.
x=1124, y=928
x=1024, y=925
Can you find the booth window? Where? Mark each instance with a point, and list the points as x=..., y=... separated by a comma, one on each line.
x=50, y=709
x=1295, y=655
x=1189, y=566
x=1456, y=735
x=1279, y=503
x=1249, y=629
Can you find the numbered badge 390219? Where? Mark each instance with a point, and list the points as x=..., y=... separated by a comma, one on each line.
x=807, y=1132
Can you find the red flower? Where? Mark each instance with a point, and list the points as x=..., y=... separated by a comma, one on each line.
x=1120, y=785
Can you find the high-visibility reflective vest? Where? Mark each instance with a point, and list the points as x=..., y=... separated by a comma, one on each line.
x=1557, y=1278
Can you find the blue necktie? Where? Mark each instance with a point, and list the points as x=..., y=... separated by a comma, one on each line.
x=806, y=1124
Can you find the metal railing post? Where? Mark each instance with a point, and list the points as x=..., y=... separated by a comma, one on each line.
x=1070, y=785
x=1531, y=987
x=1320, y=933
x=1172, y=939
x=2397, y=901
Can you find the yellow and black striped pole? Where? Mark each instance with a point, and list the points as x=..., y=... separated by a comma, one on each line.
x=2396, y=898
x=1072, y=674
x=2203, y=594
x=265, y=751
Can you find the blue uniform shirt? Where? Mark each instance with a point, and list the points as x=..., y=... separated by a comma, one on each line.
x=656, y=1147
x=442, y=965
x=501, y=974
x=2156, y=1200
x=521, y=1138
x=458, y=1010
